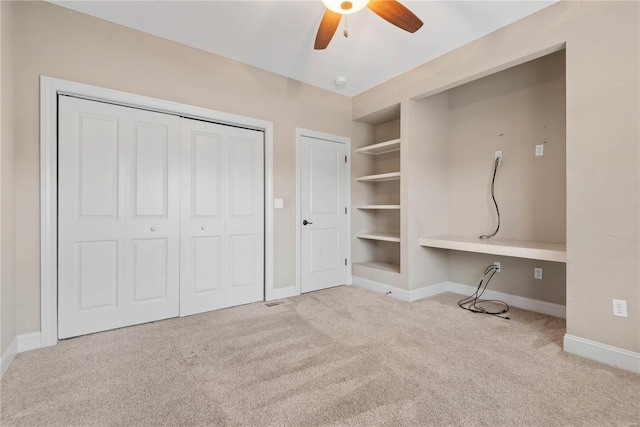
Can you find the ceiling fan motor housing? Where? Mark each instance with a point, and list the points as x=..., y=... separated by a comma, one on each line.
x=345, y=6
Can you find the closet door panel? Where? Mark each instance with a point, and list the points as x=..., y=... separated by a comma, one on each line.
x=90, y=217
x=222, y=216
x=242, y=178
x=98, y=166
x=242, y=249
x=245, y=216
x=205, y=172
x=150, y=269
x=150, y=170
x=153, y=220
x=97, y=274
x=117, y=170
x=202, y=230
x=205, y=265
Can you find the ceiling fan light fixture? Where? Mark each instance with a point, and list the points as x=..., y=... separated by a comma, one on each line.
x=345, y=7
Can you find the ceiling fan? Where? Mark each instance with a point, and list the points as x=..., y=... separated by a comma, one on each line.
x=389, y=10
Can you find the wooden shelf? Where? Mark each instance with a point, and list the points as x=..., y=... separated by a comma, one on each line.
x=391, y=176
x=381, y=148
x=379, y=270
x=379, y=265
x=556, y=252
x=379, y=207
x=385, y=237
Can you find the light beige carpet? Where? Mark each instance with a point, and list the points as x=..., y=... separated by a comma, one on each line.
x=343, y=356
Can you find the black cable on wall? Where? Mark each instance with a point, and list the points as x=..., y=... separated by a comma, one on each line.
x=493, y=196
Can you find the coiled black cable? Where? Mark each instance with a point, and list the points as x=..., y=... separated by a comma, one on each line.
x=471, y=303
x=493, y=184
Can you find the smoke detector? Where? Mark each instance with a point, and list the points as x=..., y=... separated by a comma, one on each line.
x=341, y=82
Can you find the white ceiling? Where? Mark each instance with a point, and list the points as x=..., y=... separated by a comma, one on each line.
x=278, y=36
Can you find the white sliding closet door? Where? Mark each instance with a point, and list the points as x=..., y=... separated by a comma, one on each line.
x=222, y=216
x=118, y=216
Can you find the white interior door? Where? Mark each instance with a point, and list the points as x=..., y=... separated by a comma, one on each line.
x=222, y=216
x=323, y=210
x=118, y=216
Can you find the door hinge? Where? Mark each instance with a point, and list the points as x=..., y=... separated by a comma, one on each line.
x=345, y=210
x=345, y=261
x=345, y=159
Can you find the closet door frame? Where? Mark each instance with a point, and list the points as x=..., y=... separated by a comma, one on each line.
x=50, y=88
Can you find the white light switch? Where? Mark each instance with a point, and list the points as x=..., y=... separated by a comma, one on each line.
x=278, y=203
x=539, y=150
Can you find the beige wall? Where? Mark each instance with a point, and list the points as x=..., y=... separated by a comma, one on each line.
x=425, y=210
x=7, y=213
x=602, y=107
x=56, y=42
x=516, y=277
x=513, y=111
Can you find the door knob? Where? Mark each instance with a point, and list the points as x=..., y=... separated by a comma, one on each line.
x=153, y=229
x=305, y=222
x=203, y=228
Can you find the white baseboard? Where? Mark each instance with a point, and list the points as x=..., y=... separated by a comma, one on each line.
x=549, y=308
x=8, y=356
x=399, y=293
x=20, y=344
x=604, y=353
x=544, y=307
x=29, y=341
x=381, y=288
x=281, y=293
x=428, y=291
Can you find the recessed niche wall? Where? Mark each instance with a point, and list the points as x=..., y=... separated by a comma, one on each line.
x=513, y=111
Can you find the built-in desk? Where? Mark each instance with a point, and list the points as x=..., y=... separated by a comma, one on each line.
x=556, y=252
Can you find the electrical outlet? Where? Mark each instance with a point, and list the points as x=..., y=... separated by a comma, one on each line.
x=499, y=155
x=278, y=203
x=619, y=307
x=537, y=273
x=497, y=265
x=539, y=150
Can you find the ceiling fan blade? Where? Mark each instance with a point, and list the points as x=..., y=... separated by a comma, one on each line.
x=395, y=13
x=327, y=29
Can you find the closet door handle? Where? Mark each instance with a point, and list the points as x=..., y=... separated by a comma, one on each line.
x=305, y=222
x=203, y=228
x=153, y=229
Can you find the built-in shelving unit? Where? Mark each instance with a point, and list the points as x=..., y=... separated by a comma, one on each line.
x=379, y=265
x=381, y=148
x=379, y=207
x=381, y=177
x=426, y=180
x=556, y=252
x=381, y=236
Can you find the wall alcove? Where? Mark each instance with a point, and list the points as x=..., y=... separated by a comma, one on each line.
x=448, y=144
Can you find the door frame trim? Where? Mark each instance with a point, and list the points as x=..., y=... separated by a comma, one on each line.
x=49, y=90
x=332, y=138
